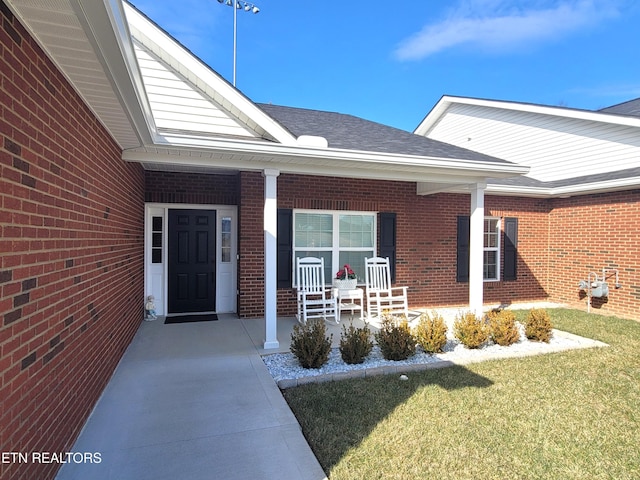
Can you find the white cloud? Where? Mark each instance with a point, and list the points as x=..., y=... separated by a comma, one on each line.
x=498, y=26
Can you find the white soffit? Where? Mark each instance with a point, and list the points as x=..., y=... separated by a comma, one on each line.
x=57, y=28
x=251, y=155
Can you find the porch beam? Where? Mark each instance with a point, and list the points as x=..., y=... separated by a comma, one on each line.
x=476, y=249
x=270, y=257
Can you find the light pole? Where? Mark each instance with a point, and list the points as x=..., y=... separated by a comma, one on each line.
x=237, y=5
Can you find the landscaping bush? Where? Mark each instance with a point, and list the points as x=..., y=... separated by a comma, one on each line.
x=355, y=344
x=504, y=330
x=431, y=332
x=472, y=331
x=538, y=325
x=395, y=339
x=310, y=344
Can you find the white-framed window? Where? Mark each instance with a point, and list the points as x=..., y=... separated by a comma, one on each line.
x=491, y=266
x=340, y=237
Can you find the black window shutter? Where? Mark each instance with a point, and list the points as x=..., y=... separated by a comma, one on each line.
x=462, y=265
x=510, y=248
x=387, y=246
x=285, y=248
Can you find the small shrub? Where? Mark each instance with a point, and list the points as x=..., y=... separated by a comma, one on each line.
x=504, y=330
x=472, y=331
x=395, y=339
x=431, y=333
x=355, y=344
x=310, y=344
x=538, y=325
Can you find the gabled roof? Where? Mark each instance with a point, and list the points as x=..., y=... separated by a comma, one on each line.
x=132, y=74
x=570, y=151
x=188, y=97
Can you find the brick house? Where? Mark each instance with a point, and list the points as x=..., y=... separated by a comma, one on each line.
x=585, y=173
x=116, y=144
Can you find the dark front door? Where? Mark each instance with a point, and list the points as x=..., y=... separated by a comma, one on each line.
x=192, y=275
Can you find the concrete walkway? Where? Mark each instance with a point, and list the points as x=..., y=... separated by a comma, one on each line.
x=194, y=401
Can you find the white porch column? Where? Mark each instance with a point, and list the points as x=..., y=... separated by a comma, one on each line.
x=476, y=248
x=270, y=257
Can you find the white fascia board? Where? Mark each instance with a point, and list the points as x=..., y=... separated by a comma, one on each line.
x=107, y=30
x=432, y=117
x=369, y=159
x=204, y=77
x=566, y=191
x=443, y=104
x=281, y=164
x=431, y=188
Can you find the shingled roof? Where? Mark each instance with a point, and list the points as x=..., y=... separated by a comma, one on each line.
x=348, y=132
x=631, y=107
x=524, y=181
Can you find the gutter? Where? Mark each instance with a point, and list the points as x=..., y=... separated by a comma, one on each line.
x=298, y=159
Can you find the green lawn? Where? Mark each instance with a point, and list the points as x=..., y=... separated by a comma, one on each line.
x=571, y=415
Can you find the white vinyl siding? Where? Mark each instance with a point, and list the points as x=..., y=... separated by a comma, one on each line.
x=179, y=106
x=555, y=148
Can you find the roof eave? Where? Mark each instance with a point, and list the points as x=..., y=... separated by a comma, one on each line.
x=326, y=161
x=566, y=191
x=201, y=74
x=107, y=30
x=443, y=104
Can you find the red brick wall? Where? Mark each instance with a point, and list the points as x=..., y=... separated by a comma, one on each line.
x=195, y=188
x=533, y=247
x=71, y=266
x=426, y=238
x=592, y=232
x=251, y=245
x=559, y=241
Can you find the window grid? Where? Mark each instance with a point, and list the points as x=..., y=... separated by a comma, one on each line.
x=339, y=237
x=225, y=236
x=156, y=239
x=491, y=265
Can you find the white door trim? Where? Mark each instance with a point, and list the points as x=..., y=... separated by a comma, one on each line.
x=156, y=275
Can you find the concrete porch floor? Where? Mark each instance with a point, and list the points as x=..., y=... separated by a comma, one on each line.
x=195, y=401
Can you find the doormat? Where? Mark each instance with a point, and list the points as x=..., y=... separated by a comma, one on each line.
x=209, y=317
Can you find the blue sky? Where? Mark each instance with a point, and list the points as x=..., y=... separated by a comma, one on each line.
x=390, y=61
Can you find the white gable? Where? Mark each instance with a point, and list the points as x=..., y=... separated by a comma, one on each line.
x=187, y=98
x=555, y=147
x=178, y=106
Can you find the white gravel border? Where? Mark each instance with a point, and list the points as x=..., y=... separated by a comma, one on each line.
x=287, y=372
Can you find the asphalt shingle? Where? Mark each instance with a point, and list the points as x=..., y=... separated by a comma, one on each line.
x=631, y=108
x=348, y=132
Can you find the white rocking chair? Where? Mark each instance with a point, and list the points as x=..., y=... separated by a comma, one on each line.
x=314, y=298
x=381, y=296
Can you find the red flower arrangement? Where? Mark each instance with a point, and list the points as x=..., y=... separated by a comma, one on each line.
x=346, y=273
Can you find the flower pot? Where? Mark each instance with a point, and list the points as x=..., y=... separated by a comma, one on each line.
x=349, y=284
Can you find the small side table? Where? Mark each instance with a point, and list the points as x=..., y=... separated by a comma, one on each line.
x=349, y=300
